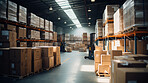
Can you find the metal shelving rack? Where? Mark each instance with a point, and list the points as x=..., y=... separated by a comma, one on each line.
x=133, y=34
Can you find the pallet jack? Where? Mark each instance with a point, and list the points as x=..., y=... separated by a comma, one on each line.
x=91, y=47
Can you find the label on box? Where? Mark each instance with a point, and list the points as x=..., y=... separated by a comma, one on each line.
x=12, y=65
x=1, y=53
x=132, y=82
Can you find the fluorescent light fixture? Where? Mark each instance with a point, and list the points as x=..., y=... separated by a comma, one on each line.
x=89, y=23
x=59, y=18
x=65, y=22
x=70, y=27
x=92, y=0
x=89, y=18
x=64, y=4
x=50, y=8
x=89, y=10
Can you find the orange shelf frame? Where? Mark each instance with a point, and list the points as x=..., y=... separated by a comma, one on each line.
x=23, y=25
x=134, y=33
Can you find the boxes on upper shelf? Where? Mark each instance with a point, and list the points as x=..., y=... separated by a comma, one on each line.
x=98, y=28
x=22, y=14
x=41, y=23
x=12, y=11
x=34, y=20
x=47, y=25
x=3, y=6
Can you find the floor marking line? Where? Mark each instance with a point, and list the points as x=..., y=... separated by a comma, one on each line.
x=65, y=60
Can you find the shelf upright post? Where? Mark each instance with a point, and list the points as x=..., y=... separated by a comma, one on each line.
x=135, y=40
x=124, y=43
x=97, y=42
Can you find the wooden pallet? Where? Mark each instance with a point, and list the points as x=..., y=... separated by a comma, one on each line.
x=16, y=76
x=135, y=29
x=102, y=74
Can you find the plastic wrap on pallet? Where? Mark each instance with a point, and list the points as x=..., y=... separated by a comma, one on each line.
x=22, y=14
x=46, y=25
x=109, y=29
x=103, y=31
x=12, y=11
x=55, y=36
x=47, y=35
x=118, y=21
x=3, y=6
x=50, y=36
x=135, y=13
x=34, y=20
x=98, y=28
x=50, y=26
x=37, y=34
x=109, y=11
x=41, y=23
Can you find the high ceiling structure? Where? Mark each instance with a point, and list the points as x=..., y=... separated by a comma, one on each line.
x=80, y=8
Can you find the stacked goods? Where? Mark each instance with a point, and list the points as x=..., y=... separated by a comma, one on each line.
x=56, y=54
x=21, y=33
x=59, y=37
x=119, y=45
x=50, y=26
x=41, y=23
x=11, y=28
x=55, y=36
x=85, y=38
x=36, y=60
x=108, y=15
x=135, y=14
x=108, y=46
x=104, y=67
x=97, y=48
x=115, y=53
x=12, y=11
x=22, y=44
x=71, y=37
x=82, y=48
x=103, y=32
x=22, y=14
x=47, y=57
x=71, y=45
x=47, y=25
x=8, y=39
x=118, y=21
x=4, y=61
x=66, y=37
x=126, y=53
x=3, y=6
x=20, y=61
x=77, y=46
x=68, y=49
x=34, y=34
x=51, y=36
x=34, y=20
x=47, y=35
x=98, y=28
x=142, y=46
x=41, y=44
x=97, y=57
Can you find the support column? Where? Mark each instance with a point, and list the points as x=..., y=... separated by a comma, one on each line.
x=135, y=42
x=97, y=42
x=124, y=43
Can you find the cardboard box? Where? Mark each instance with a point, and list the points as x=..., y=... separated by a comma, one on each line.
x=105, y=59
x=7, y=35
x=126, y=53
x=103, y=68
x=41, y=23
x=109, y=29
x=55, y=36
x=124, y=64
x=47, y=62
x=132, y=75
x=97, y=55
x=22, y=44
x=22, y=14
x=46, y=51
x=11, y=27
x=3, y=7
x=96, y=66
x=36, y=65
x=51, y=61
x=115, y=53
x=12, y=11
x=36, y=53
x=97, y=48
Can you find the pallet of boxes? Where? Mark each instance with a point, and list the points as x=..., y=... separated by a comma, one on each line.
x=102, y=62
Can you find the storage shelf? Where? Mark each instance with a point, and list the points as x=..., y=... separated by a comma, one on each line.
x=35, y=40
x=134, y=33
x=22, y=25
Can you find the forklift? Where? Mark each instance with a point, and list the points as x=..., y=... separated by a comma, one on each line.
x=91, y=47
x=62, y=43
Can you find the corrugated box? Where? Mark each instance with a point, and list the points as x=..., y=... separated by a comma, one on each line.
x=97, y=48
x=22, y=14
x=96, y=66
x=36, y=53
x=11, y=27
x=57, y=57
x=50, y=26
x=12, y=11
x=97, y=55
x=109, y=29
x=55, y=36
x=103, y=68
x=41, y=23
x=46, y=62
x=132, y=75
x=118, y=21
x=115, y=53
x=22, y=44
x=46, y=51
x=105, y=59
x=47, y=25
x=51, y=61
x=98, y=28
x=34, y=20
x=3, y=6
x=36, y=65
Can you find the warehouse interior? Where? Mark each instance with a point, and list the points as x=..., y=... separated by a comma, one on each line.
x=73, y=41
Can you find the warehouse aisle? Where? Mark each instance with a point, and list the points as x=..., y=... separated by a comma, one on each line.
x=74, y=69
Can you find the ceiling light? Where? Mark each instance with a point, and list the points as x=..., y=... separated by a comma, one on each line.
x=70, y=27
x=64, y=4
x=89, y=23
x=50, y=8
x=92, y=0
x=89, y=10
x=65, y=22
x=59, y=18
x=89, y=18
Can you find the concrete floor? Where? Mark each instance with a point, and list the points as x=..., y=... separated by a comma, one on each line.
x=74, y=69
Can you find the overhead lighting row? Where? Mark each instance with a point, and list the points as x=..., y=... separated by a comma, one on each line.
x=64, y=4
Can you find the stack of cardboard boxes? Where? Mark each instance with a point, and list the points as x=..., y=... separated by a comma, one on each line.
x=12, y=11
x=41, y=23
x=34, y=20
x=98, y=28
x=85, y=38
x=22, y=33
x=56, y=54
x=3, y=8
x=22, y=14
